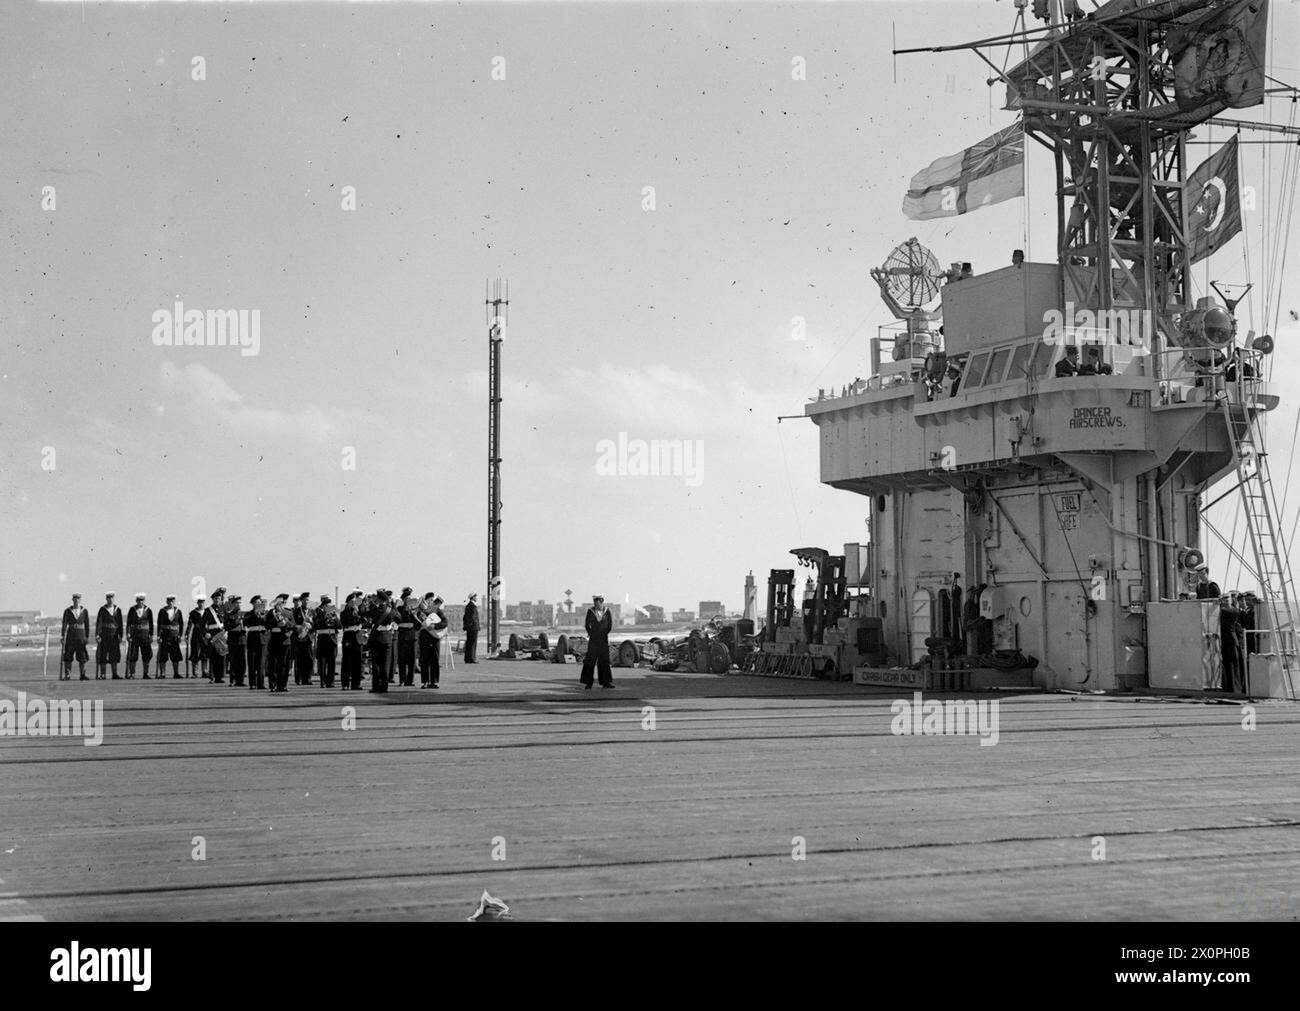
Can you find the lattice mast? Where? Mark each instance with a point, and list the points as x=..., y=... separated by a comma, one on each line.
x=497, y=303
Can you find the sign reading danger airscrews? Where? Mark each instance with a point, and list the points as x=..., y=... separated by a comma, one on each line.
x=1095, y=417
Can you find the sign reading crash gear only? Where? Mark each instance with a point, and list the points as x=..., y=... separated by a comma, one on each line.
x=1096, y=417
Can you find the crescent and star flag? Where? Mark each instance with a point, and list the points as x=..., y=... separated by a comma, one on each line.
x=1219, y=60
x=988, y=173
x=1212, y=203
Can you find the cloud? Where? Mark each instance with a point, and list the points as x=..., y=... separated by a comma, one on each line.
x=221, y=404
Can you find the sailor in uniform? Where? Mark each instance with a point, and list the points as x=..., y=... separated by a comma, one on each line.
x=599, y=623
x=255, y=632
x=139, y=636
x=198, y=650
x=171, y=628
x=75, y=633
x=470, y=624
x=108, y=637
x=302, y=640
x=236, y=641
x=352, y=623
x=325, y=630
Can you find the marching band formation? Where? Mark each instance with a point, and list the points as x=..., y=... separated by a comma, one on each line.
x=259, y=646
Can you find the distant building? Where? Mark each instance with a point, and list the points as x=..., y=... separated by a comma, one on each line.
x=540, y=613
x=680, y=616
x=750, y=610
x=708, y=608
x=577, y=618
x=650, y=614
x=18, y=622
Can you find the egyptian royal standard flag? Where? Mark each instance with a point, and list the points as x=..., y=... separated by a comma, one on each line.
x=1218, y=60
x=988, y=173
x=1211, y=203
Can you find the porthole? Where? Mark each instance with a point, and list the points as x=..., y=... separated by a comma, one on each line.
x=1025, y=606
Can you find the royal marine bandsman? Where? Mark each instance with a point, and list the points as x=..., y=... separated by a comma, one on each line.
x=236, y=640
x=139, y=636
x=325, y=628
x=279, y=629
x=74, y=634
x=302, y=640
x=382, y=630
x=255, y=630
x=214, y=636
x=433, y=626
x=171, y=628
x=198, y=666
x=352, y=624
x=408, y=633
x=108, y=637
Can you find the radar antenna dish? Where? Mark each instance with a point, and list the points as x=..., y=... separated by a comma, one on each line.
x=909, y=278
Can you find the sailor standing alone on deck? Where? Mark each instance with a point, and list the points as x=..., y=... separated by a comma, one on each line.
x=599, y=624
x=470, y=624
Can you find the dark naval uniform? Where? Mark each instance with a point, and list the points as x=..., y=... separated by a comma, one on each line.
x=171, y=627
x=139, y=638
x=212, y=626
x=198, y=649
x=1231, y=638
x=325, y=629
x=279, y=626
x=302, y=637
x=598, y=630
x=381, y=645
x=351, y=622
x=108, y=639
x=75, y=634
x=408, y=633
x=434, y=621
x=255, y=630
x=236, y=641
x=471, y=631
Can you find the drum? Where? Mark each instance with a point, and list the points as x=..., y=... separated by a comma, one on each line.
x=218, y=643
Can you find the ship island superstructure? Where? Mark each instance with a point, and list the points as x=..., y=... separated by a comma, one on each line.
x=1037, y=450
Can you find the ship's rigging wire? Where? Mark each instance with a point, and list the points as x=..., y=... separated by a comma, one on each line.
x=798, y=524
x=1232, y=551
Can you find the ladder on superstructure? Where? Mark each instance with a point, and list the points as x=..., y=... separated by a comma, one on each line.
x=1272, y=564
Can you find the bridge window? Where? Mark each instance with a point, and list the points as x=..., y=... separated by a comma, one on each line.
x=1019, y=362
x=1044, y=359
x=975, y=371
x=998, y=368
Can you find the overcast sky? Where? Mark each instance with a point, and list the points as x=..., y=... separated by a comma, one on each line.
x=773, y=199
